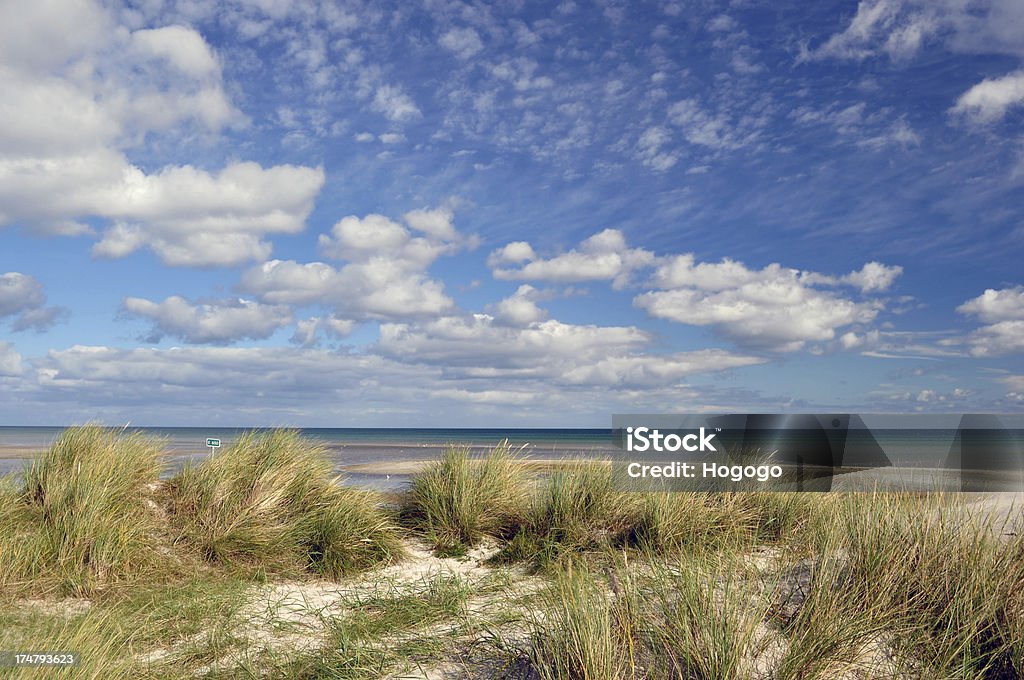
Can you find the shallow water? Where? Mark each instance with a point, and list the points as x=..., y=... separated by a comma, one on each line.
x=345, y=446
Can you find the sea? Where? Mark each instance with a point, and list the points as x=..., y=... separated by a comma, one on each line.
x=345, y=446
x=368, y=448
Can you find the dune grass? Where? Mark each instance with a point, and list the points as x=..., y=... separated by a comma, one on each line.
x=576, y=631
x=458, y=500
x=942, y=581
x=81, y=519
x=269, y=504
x=631, y=585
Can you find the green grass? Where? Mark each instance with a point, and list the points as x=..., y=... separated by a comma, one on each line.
x=684, y=586
x=943, y=579
x=268, y=504
x=458, y=500
x=113, y=635
x=81, y=521
x=701, y=618
x=577, y=635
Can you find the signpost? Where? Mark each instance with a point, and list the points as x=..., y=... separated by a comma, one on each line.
x=213, y=444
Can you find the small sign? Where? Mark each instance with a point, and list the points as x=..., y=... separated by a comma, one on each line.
x=213, y=443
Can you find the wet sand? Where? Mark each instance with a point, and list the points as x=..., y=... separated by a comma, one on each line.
x=411, y=467
x=7, y=452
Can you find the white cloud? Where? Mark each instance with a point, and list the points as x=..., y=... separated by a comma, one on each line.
x=713, y=130
x=989, y=100
x=996, y=305
x=1014, y=382
x=300, y=386
x=391, y=101
x=308, y=331
x=19, y=292
x=512, y=253
x=435, y=223
x=1004, y=337
x=772, y=308
x=76, y=107
x=39, y=319
x=661, y=369
x=464, y=42
x=221, y=322
x=182, y=47
x=898, y=134
x=22, y=296
x=10, y=361
x=520, y=308
x=519, y=72
x=602, y=257
x=479, y=342
x=650, y=145
x=386, y=272
x=223, y=220
x=900, y=28
x=475, y=347
x=873, y=277
x=857, y=41
x=1003, y=311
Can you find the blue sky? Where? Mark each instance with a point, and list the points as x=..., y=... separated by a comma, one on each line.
x=534, y=214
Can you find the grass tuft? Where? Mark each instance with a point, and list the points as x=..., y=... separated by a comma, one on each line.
x=268, y=504
x=81, y=521
x=458, y=500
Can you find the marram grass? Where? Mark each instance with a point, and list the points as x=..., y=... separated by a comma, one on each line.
x=458, y=500
x=81, y=520
x=269, y=504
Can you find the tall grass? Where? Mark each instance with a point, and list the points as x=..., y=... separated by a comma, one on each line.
x=457, y=500
x=81, y=520
x=577, y=635
x=942, y=583
x=268, y=503
x=576, y=509
x=701, y=619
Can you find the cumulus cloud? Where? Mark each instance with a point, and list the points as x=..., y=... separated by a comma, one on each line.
x=989, y=100
x=602, y=257
x=308, y=331
x=209, y=323
x=520, y=308
x=772, y=308
x=76, y=107
x=386, y=272
x=22, y=297
x=478, y=346
x=19, y=292
x=10, y=361
x=873, y=277
x=993, y=305
x=223, y=219
x=1003, y=311
x=182, y=47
